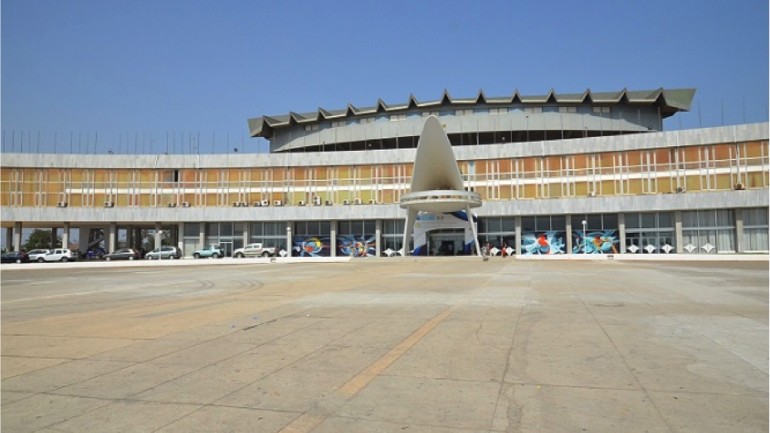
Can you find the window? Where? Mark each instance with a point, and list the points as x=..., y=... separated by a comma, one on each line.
x=650, y=233
x=601, y=235
x=367, y=120
x=755, y=230
x=499, y=110
x=338, y=123
x=313, y=127
x=464, y=112
x=397, y=117
x=602, y=111
x=567, y=109
x=430, y=113
x=533, y=109
x=708, y=231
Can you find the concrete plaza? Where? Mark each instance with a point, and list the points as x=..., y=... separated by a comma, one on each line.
x=444, y=345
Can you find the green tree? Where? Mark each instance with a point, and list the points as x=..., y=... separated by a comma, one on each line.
x=40, y=238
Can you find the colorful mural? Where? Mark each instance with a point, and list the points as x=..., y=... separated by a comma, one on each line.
x=596, y=242
x=310, y=247
x=541, y=243
x=362, y=246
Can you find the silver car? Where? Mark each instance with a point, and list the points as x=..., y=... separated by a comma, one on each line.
x=37, y=255
x=164, y=253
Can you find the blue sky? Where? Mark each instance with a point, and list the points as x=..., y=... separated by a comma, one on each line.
x=120, y=69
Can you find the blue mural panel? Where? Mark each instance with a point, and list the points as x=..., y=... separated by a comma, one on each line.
x=311, y=246
x=541, y=243
x=352, y=246
x=596, y=242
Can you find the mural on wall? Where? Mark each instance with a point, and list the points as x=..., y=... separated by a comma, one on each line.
x=311, y=246
x=362, y=246
x=540, y=243
x=596, y=242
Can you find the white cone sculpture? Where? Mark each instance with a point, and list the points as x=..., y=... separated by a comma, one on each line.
x=437, y=185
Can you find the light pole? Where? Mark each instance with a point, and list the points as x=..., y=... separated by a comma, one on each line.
x=584, y=222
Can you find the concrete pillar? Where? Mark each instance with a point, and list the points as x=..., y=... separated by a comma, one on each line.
x=180, y=237
x=622, y=233
x=517, y=223
x=246, y=233
x=289, y=238
x=157, y=235
x=740, y=244
x=377, y=238
x=112, y=237
x=54, y=238
x=65, y=236
x=201, y=235
x=333, y=238
x=411, y=216
x=8, y=238
x=83, y=240
x=678, y=231
x=16, y=236
x=568, y=233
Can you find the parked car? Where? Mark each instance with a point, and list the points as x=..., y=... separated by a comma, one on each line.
x=60, y=255
x=164, y=253
x=123, y=254
x=15, y=257
x=213, y=251
x=37, y=255
x=254, y=250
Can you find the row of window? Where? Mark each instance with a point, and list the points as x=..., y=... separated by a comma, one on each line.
x=703, y=232
x=694, y=168
x=599, y=111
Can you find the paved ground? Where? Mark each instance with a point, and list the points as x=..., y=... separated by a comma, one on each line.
x=396, y=345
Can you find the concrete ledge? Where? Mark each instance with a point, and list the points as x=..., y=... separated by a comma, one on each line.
x=654, y=257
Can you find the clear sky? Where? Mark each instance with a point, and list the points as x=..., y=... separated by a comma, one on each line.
x=111, y=71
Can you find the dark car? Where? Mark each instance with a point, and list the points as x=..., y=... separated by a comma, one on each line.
x=123, y=254
x=15, y=257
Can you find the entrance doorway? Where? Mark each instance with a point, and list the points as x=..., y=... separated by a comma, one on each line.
x=445, y=242
x=227, y=248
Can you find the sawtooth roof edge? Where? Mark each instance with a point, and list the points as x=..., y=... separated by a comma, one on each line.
x=670, y=100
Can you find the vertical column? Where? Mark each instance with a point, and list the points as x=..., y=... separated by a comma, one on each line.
x=201, y=235
x=517, y=223
x=377, y=238
x=54, y=238
x=180, y=237
x=246, y=233
x=740, y=246
x=8, y=238
x=568, y=233
x=112, y=237
x=158, y=238
x=469, y=214
x=65, y=236
x=622, y=232
x=333, y=238
x=137, y=241
x=289, y=240
x=678, y=231
x=411, y=216
x=83, y=239
x=16, y=236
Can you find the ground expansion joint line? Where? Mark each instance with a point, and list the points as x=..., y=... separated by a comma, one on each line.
x=507, y=365
x=623, y=358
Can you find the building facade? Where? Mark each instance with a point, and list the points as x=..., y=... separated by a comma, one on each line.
x=558, y=174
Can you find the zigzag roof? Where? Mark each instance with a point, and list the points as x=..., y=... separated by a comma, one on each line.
x=670, y=102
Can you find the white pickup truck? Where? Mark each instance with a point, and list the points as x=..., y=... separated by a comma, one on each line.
x=254, y=250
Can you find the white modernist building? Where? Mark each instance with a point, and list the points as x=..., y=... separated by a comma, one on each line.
x=558, y=173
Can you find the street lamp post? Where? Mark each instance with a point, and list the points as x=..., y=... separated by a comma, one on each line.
x=584, y=222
